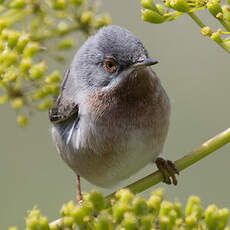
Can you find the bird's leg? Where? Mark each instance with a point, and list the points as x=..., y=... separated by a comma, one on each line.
x=78, y=190
x=168, y=169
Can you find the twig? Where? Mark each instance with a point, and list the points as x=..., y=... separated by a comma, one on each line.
x=202, y=151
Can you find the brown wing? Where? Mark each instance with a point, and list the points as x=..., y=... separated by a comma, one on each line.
x=64, y=108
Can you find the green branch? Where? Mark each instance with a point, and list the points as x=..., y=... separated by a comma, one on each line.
x=202, y=151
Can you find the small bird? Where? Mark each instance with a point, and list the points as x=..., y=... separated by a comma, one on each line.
x=112, y=115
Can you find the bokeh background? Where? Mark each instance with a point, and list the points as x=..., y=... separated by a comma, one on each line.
x=196, y=75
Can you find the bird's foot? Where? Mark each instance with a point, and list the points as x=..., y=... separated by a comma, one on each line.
x=168, y=169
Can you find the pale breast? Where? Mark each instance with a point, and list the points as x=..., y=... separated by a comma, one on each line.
x=124, y=130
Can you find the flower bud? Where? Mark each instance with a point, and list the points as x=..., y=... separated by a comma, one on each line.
x=149, y=4
x=22, y=42
x=66, y=43
x=226, y=12
x=86, y=17
x=223, y=218
x=103, y=222
x=206, y=31
x=178, y=209
x=147, y=222
x=2, y=25
x=190, y=221
x=23, y=121
x=13, y=37
x=96, y=199
x=43, y=223
x=211, y=217
x=68, y=221
x=55, y=77
x=59, y=4
x=154, y=203
x=17, y=4
x=31, y=49
x=216, y=37
x=67, y=209
x=129, y=222
x=79, y=214
x=25, y=64
x=124, y=195
x=164, y=223
x=214, y=7
x=102, y=20
x=139, y=206
x=119, y=210
x=161, y=9
x=165, y=208
x=37, y=71
x=45, y=105
x=17, y=103
x=180, y=5
x=152, y=16
x=194, y=207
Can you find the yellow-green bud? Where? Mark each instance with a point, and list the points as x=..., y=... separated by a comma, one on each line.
x=216, y=37
x=25, y=64
x=10, y=57
x=76, y=2
x=55, y=77
x=37, y=71
x=59, y=4
x=223, y=218
x=23, y=121
x=206, y=31
x=147, y=222
x=178, y=209
x=43, y=223
x=220, y=16
x=79, y=214
x=226, y=12
x=31, y=49
x=190, y=222
x=193, y=207
x=103, y=222
x=62, y=27
x=214, y=7
x=180, y=5
x=3, y=99
x=13, y=37
x=211, y=217
x=17, y=103
x=149, y=4
x=9, y=76
x=22, y=42
x=154, y=203
x=67, y=209
x=119, y=209
x=129, y=222
x=152, y=16
x=2, y=25
x=66, y=43
x=68, y=221
x=46, y=104
x=161, y=9
x=102, y=20
x=96, y=199
x=164, y=223
x=17, y=4
x=165, y=208
x=124, y=195
x=159, y=192
x=86, y=17
x=139, y=206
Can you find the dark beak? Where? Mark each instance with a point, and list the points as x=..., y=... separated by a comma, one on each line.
x=144, y=62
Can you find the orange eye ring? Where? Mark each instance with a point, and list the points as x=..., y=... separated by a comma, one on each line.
x=110, y=65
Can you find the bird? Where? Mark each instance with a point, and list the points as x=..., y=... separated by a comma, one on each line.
x=112, y=115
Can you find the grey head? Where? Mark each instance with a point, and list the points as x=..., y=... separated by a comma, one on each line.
x=107, y=56
x=101, y=63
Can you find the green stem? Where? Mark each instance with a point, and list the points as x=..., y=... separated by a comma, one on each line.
x=223, y=23
x=202, y=151
x=201, y=24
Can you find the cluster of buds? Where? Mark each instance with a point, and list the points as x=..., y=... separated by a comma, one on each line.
x=26, y=28
x=172, y=9
x=129, y=212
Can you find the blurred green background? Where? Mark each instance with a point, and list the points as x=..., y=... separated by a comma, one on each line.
x=195, y=73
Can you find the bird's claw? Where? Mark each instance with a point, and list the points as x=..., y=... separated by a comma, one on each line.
x=168, y=169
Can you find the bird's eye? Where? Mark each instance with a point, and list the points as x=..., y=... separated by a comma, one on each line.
x=110, y=65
